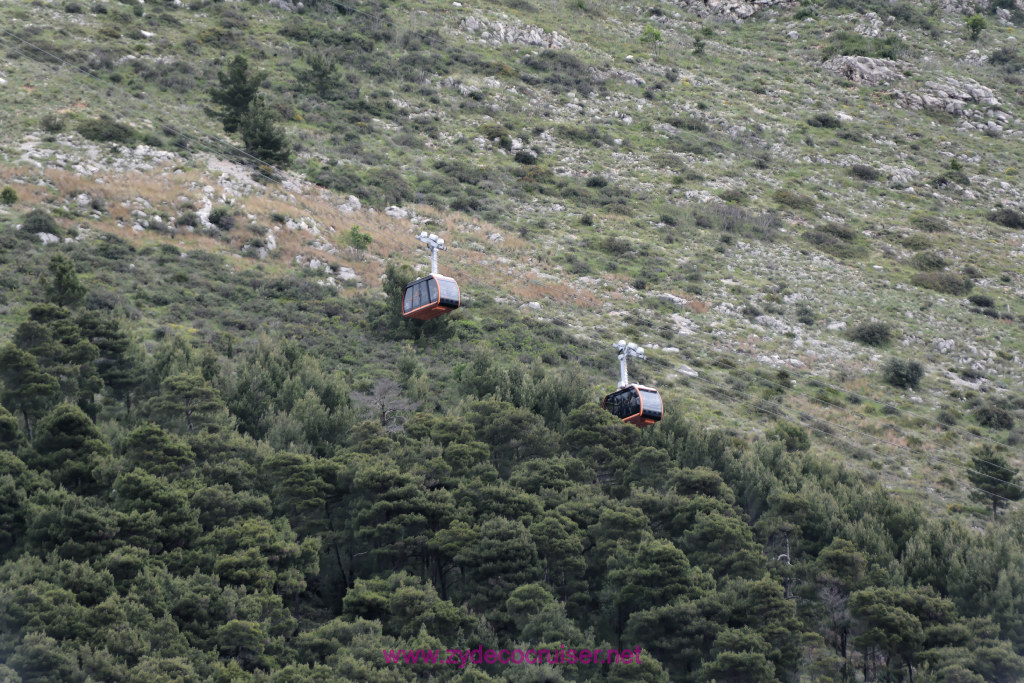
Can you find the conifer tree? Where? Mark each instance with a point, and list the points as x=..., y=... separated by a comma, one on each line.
x=238, y=88
x=264, y=138
x=994, y=479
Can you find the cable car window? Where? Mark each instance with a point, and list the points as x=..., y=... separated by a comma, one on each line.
x=449, y=290
x=431, y=290
x=407, y=303
x=652, y=402
x=634, y=402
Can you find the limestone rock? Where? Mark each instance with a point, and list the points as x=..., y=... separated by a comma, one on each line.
x=735, y=10
x=866, y=70
x=499, y=33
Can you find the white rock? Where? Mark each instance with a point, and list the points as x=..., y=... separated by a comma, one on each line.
x=396, y=212
x=868, y=70
x=47, y=237
x=687, y=371
x=836, y=326
x=351, y=205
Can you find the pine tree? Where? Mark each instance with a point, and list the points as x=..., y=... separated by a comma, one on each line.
x=64, y=289
x=264, y=139
x=238, y=88
x=994, y=479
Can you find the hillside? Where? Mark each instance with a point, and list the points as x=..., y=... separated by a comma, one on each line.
x=809, y=213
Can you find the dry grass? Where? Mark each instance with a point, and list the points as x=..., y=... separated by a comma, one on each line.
x=393, y=238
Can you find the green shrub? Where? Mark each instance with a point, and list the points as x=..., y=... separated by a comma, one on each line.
x=928, y=260
x=561, y=71
x=359, y=239
x=865, y=172
x=994, y=417
x=106, y=129
x=916, y=242
x=904, y=374
x=975, y=25
x=823, y=120
x=793, y=200
x=526, y=157
x=733, y=196
x=188, y=218
x=1008, y=217
x=832, y=238
x=929, y=223
x=52, y=123
x=981, y=300
x=222, y=217
x=953, y=176
x=872, y=333
x=1009, y=59
x=687, y=123
x=794, y=437
x=851, y=43
x=8, y=196
x=735, y=220
x=39, y=220
x=805, y=314
x=944, y=282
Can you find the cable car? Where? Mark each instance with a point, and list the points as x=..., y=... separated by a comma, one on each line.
x=430, y=297
x=433, y=295
x=633, y=403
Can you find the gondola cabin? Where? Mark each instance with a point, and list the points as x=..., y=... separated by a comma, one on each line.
x=430, y=297
x=635, y=404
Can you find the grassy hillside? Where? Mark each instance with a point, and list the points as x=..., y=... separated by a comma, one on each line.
x=810, y=214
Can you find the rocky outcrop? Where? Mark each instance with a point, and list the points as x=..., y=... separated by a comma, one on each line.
x=737, y=10
x=951, y=96
x=499, y=33
x=865, y=70
x=287, y=5
x=966, y=98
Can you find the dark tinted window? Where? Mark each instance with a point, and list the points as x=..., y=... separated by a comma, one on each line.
x=623, y=403
x=431, y=290
x=652, y=403
x=449, y=290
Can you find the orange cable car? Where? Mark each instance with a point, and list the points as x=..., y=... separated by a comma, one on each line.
x=433, y=295
x=633, y=403
x=430, y=296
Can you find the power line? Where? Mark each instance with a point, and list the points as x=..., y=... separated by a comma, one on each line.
x=779, y=411
x=203, y=146
x=207, y=147
x=838, y=406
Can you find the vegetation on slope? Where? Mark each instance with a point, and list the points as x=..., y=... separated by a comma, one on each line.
x=239, y=469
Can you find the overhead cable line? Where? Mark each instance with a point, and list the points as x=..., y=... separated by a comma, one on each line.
x=811, y=378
